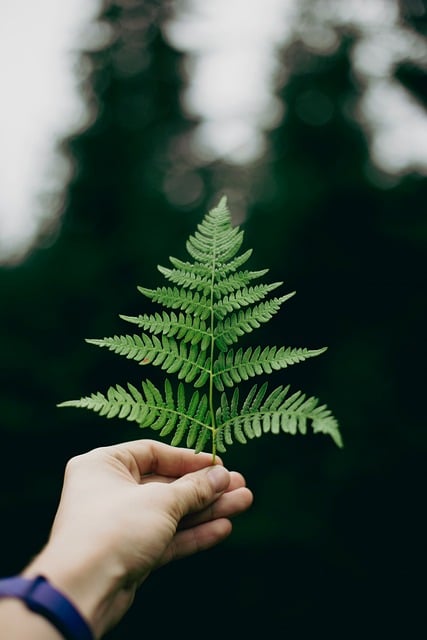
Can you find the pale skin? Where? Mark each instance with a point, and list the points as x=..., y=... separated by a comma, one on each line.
x=124, y=511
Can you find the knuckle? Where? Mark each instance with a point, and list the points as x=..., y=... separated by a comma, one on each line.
x=201, y=492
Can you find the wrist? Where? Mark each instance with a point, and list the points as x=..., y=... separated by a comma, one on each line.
x=92, y=587
x=41, y=598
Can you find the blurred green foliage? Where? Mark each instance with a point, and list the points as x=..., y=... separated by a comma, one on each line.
x=335, y=541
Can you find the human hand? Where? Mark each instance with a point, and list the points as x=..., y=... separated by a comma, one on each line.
x=128, y=509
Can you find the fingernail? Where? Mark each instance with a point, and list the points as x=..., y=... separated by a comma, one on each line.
x=219, y=478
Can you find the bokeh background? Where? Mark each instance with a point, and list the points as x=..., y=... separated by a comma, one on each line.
x=311, y=117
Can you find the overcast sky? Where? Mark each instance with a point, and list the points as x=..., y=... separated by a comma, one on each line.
x=230, y=85
x=39, y=104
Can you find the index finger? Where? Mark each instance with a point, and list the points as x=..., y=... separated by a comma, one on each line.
x=151, y=456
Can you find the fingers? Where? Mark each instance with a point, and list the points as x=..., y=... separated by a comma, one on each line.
x=195, y=491
x=236, y=479
x=158, y=457
x=198, y=538
x=229, y=505
x=210, y=525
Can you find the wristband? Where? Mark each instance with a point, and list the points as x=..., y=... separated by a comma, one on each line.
x=40, y=597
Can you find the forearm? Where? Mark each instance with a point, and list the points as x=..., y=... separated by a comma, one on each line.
x=19, y=623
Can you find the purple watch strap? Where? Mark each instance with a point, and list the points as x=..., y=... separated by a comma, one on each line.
x=42, y=598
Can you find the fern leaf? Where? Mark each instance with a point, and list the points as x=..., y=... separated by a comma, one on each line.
x=235, y=281
x=278, y=413
x=242, y=298
x=254, y=399
x=197, y=268
x=182, y=326
x=231, y=368
x=234, y=326
x=222, y=268
x=188, y=362
x=151, y=408
x=175, y=298
x=200, y=278
x=188, y=279
x=209, y=304
x=215, y=239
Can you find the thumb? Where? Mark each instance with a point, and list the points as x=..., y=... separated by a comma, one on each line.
x=197, y=490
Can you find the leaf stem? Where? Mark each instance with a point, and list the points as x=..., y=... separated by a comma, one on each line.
x=212, y=348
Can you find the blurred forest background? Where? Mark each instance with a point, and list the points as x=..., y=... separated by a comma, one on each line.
x=334, y=545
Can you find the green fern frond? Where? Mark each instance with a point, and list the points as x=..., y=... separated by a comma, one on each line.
x=215, y=239
x=237, y=324
x=202, y=281
x=210, y=305
x=242, y=298
x=185, y=327
x=231, y=368
x=278, y=413
x=151, y=408
x=183, y=299
x=187, y=361
x=188, y=279
x=222, y=268
x=236, y=281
